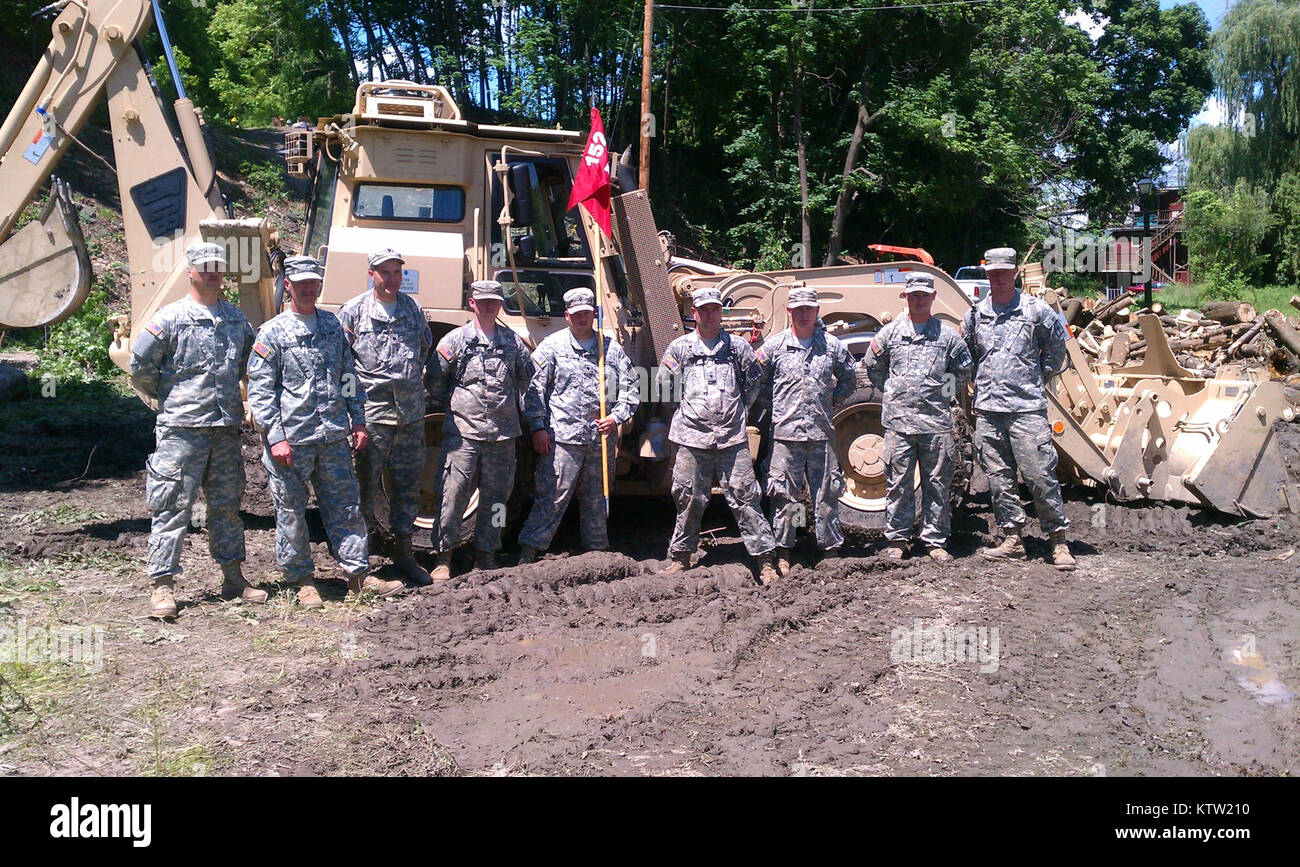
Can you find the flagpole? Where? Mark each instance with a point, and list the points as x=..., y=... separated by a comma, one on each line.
x=596, y=162
x=600, y=361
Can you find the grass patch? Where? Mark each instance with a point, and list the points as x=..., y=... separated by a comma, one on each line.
x=29, y=692
x=63, y=514
x=193, y=761
x=1181, y=296
x=18, y=579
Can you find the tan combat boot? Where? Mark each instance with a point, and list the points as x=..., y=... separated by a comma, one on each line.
x=783, y=561
x=308, y=595
x=485, y=561
x=1061, y=557
x=1012, y=547
x=442, y=567
x=527, y=554
x=358, y=584
x=893, y=552
x=404, y=560
x=162, y=604
x=767, y=574
x=677, y=563
x=235, y=586
x=940, y=556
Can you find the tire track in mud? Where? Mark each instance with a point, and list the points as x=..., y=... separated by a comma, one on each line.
x=575, y=653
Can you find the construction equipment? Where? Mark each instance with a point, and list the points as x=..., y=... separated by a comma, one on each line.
x=465, y=201
x=166, y=181
x=1155, y=430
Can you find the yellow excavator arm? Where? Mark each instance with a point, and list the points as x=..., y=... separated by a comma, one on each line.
x=166, y=182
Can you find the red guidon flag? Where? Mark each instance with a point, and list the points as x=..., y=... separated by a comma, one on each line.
x=591, y=186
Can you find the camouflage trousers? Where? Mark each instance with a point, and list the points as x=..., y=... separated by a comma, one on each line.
x=327, y=467
x=465, y=466
x=936, y=454
x=567, y=469
x=397, y=450
x=809, y=466
x=1009, y=441
x=184, y=459
x=693, y=475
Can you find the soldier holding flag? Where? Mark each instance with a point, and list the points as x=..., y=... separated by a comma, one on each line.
x=562, y=406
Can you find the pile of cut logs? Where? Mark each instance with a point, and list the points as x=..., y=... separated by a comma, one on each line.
x=1221, y=331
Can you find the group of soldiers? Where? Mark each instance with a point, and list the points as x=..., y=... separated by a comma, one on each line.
x=340, y=401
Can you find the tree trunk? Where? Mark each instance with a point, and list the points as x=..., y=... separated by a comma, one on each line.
x=801, y=151
x=864, y=121
x=1228, y=312
x=341, y=26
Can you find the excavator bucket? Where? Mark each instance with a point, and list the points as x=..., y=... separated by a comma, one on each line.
x=45, y=271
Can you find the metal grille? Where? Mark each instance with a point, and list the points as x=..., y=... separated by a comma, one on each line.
x=647, y=271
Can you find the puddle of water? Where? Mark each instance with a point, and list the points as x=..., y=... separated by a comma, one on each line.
x=1258, y=678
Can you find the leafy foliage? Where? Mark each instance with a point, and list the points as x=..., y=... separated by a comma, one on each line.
x=77, y=348
x=1246, y=176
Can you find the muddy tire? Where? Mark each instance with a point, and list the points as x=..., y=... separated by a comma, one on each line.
x=859, y=446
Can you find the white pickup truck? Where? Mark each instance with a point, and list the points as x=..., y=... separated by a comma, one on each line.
x=973, y=281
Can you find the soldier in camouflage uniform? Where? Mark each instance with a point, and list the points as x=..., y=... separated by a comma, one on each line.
x=562, y=406
x=806, y=374
x=1017, y=342
x=720, y=379
x=190, y=359
x=307, y=401
x=480, y=371
x=920, y=364
x=390, y=341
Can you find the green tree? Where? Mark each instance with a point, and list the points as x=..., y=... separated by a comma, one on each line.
x=276, y=58
x=1226, y=231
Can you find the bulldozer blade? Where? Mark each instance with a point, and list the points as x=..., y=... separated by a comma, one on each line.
x=1247, y=475
x=45, y=271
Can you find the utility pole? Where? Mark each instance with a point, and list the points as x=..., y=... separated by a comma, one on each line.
x=647, y=41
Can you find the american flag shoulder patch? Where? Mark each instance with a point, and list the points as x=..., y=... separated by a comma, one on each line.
x=875, y=346
x=350, y=332
x=762, y=356
x=261, y=349
x=154, y=328
x=446, y=352
x=670, y=362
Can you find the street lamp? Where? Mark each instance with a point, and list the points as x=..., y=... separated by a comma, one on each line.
x=1146, y=187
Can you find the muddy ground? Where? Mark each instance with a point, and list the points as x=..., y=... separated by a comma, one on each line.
x=1172, y=650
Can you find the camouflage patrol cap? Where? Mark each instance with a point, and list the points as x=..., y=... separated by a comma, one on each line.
x=999, y=258
x=578, y=299
x=486, y=290
x=706, y=295
x=299, y=268
x=202, y=252
x=385, y=255
x=802, y=296
x=918, y=282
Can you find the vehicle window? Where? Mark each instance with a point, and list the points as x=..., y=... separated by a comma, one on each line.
x=430, y=204
x=543, y=291
x=555, y=228
x=971, y=272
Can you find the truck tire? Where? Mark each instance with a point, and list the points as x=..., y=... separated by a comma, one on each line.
x=859, y=446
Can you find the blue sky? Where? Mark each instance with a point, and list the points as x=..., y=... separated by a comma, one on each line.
x=1213, y=9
